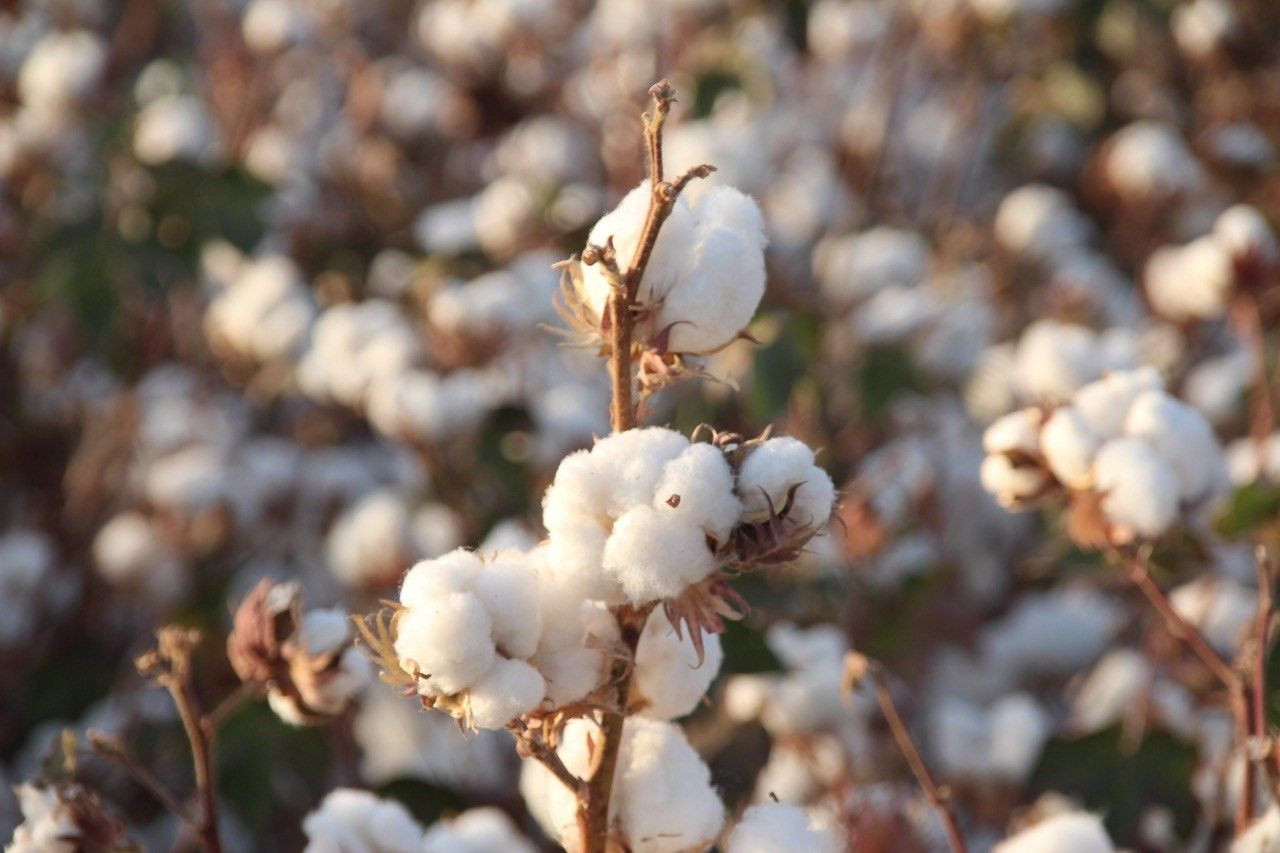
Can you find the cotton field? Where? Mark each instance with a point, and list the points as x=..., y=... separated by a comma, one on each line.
x=476, y=426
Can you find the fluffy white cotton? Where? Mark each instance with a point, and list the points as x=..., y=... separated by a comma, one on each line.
x=1067, y=832
x=62, y=68
x=1015, y=432
x=770, y=473
x=130, y=553
x=1222, y=610
x=1054, y=633
x=1111, y=690
x=779, y=828
x=1053, y=359
x=353, y=345
x=1139, y=489
x=1182, y=436
x=1201, y=26
x=1190, y=282
x=508, y=590
x=705, y=275
x=349, y=819
x=850, y=269
x=485, y=829
x=669, y=678
x=173, y=127
x=510, y=688
x=1262, y=836
x=697, y=486
x=1040, y=221
x=652, y=557
x=266, y=311
x=1105, y=403
x=48, y=825
x=665, y=799
x=1001, y=743
x=369, y=543
x=1068, y=446
x=1150, y=158
x=1009, y=471
x=449, y=641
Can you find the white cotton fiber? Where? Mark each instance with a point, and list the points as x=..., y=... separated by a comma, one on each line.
x=448, y=640
x=1068, y=832
x=653, y=557
x=1068, y=446
x=778, y=828
x=698, y=486
x=1139, y=488
x=772, y=470
x=668, y=676
x=509, y=689
x=1182, y=436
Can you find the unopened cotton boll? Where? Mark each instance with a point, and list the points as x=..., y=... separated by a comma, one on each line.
x=669, y=676
x=654, y=557
x=781, y=473
x=1139, y=489
x=349, y=820
x=1190, y=282
x=1040, y=222
x=485, y=829
x=1066, y=832
x=1182, y=436
x=778, y=828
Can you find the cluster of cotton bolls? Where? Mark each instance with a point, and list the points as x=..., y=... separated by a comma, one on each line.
x=1122, y=446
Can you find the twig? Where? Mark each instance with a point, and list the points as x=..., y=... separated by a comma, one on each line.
x=230, y=703
x=111, y=748
x=938, y=797
x=1140, y=575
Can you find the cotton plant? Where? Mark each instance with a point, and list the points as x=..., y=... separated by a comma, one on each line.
x=587, y=644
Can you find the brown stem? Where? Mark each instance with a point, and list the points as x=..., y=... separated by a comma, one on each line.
x=1247, y=319
x=112, y=749
x=230, y=703
x=1140, y=575
x=938, y=797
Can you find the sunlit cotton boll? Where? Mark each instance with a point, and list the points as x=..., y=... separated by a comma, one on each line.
x=1190, y=282
x=1067, y=832
x=485, y=829
x=265, y=312
x=1011, y=471
x=654, y=557
x=705, y=275
x=1040, y=222
x=1201, y=26
x=781, y=473
x=130, y=553
x=1244, y=233
x=62, y=68
x=173, y=127
x=669, y=676
x=1139, y=489
x=1182, y=436
x=779, y=828
x=662, y=800
x=349, y=819
x=369, y=544
x=850, y=269
x=325, y=687
x=1151, y=159
x=48, y=825
x=352, y=346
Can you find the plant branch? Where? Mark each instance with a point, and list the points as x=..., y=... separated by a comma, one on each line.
x=111, y=748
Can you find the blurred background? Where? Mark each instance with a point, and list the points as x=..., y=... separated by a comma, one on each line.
x=275, y=283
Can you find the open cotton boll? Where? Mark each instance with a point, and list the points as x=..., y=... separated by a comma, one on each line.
x=1104, y=404
x=1262, y=836
x=779, y=828
x=508, y=589
x=1220, y=609
x=62, y=68
x=1053, y=633
x=349, y=819
x=1139, y=489
x=631, y=462
x=1040, y=221
x=1201, y=26
x=850, y=269
x=1244, y=233
x=1110, y=691
x=369, y=543
x=449, y=640
x=1018, y=728
x=1150, y=158
x=668, y=676
x=697, y=486
x=508, y=690
x=428, y=580
x=1217, y=386
x=1190, y=282
x=716, y=296
x=1182, y=436
x=772, y=470
x=485, y=829
x=1015, y=432
x=1068, y=446
x=667, y=262
x=130, y=553
x=1066, y=832
x=48, y=824
x=1054, y=359
x=266, y=310
x=174, y=127
x=654, y=557
x=665, y=799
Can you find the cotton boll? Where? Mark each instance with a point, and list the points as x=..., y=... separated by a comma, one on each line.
x=507, y=588
x=1010, y=483
x=429, y=580
x=778, y=828
x=1053, y=633
x=1190, y=282
x=349, y=819
x=1015, y=432
x=554, y=806
x=1068, y=445
x=576, y=550
x=1220, y=609
x=1104, y=404
x=578, y=492
x=1201, y=26
x=630, y=464
x=655, y=557
x=189, y=480
x=1262, y=836
x=48, y=825
x=716, y=297
x=269, y=25
x=1216, y=386
x=509, y=689
x=62, y=68
x=1019, y=728
x=1054, y=359
x=852, y=268
x=1150, y=158
x=130, y=553
x=772, y=470
x=1110, y=691
x=745, y=696
x=1244, y=233
x=1067, y=832
x=485, y=829
x=265, y=312
x=1183, y=438
x=1139, y=489
x=669, y=676
x=1040, y=221
x=369, y=543
x=698, y=486
x=448, y=640
x=665, y=799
